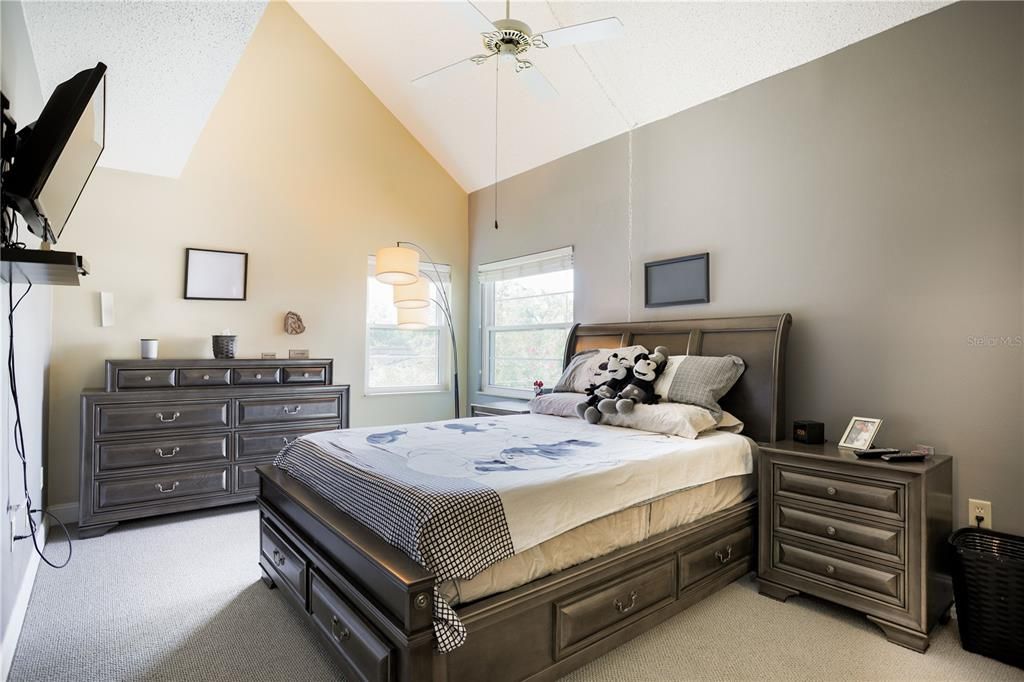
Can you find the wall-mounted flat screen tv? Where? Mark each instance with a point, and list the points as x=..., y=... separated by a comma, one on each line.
x=677, y=281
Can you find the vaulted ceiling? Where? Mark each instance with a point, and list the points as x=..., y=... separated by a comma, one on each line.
x=170, y=61
x=672, y=56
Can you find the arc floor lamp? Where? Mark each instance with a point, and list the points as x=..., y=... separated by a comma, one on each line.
x=399, y=266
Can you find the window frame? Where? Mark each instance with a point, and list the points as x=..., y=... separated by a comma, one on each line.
x=443, y=343
x=487, y=325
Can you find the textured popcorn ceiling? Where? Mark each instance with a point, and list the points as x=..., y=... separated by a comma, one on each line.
x=673, y=56
x=168, y=63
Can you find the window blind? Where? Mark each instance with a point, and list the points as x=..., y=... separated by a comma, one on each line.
x=524, y=266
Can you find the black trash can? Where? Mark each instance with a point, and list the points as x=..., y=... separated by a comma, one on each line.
x=988, y=582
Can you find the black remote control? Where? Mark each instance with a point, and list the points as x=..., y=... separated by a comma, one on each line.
x=904, y=457
x=875, y=453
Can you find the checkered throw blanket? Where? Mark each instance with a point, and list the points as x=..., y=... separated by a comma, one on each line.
x=459, y=496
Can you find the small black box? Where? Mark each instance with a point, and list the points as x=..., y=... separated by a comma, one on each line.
x=807, y=431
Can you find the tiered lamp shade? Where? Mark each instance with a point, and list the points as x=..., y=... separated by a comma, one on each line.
x=397, y=265
x=415, y=295
x=414, y=318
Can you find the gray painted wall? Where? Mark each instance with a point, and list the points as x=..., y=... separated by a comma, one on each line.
x=877, y=194
x=32, y=343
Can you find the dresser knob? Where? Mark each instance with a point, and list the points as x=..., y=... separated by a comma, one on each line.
x=830, y=490
x=305, y=375
x=148, y=378
x=830, y=569
x=206, y=377
x=258, y=375
x=830, y=531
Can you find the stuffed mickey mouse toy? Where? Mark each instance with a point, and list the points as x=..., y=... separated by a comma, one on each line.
x=613, y=374
x=640, y=389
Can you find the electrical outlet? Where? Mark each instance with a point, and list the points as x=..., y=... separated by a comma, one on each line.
x=976, y=508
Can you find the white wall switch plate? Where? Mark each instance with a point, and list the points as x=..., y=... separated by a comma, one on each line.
x=976, y=508
x=106, y=309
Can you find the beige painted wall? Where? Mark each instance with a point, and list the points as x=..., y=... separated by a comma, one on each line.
x=300, y=166
x=876, y=193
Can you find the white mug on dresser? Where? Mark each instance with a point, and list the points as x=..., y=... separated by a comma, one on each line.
x=149, y=348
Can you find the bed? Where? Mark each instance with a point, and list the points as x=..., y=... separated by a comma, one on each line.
x=376, y=608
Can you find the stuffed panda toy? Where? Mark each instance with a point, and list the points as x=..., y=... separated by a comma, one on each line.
x=640, y=388
x=612, y=376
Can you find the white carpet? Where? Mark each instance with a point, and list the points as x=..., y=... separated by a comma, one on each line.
x=180, y=598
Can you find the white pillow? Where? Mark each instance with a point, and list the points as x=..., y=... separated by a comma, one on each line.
x=557, y=404
x=730, y=423
x=583, y=378
x=677, y=419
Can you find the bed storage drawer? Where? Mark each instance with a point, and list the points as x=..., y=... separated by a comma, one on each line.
x=867, y=496
x=284, y=560
x=883, y=541
x=733, y=549
x=287, y=409
x=362, y=653
x=162, y=452
x=112, y=419
x=115, y=493
x=819, y=564
x=596, y=613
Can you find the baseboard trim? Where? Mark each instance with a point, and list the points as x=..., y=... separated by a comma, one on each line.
x=13, y=633
x=67, y=513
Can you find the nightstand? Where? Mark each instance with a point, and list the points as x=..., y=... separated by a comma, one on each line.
x=865, y=534
x=499, y=408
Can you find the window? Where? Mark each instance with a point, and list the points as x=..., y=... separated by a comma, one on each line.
x=405, y=360
x=527, y=314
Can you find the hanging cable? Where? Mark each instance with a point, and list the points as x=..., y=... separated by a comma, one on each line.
x=629, y=226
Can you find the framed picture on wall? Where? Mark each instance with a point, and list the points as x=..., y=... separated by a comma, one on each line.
x=215, y=275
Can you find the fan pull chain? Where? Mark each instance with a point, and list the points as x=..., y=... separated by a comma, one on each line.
x=497, y=72
x=629, y=226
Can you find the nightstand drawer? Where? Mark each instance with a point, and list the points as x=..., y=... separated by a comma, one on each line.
x=821, y=565
x=880, y=498
x=883, y=542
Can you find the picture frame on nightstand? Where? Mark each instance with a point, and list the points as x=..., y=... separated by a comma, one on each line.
x=860, y=434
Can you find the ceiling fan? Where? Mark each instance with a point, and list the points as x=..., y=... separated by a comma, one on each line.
x=510, y=40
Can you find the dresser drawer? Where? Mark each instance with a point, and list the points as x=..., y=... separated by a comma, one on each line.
x=246, y=478
x=161, y=487
x=207, y=376
x=167, y=451
x=362, y=653
x=820, y=564
x=250, y=444
x=305, y=375
x=281, y=410
x=699, y=563
x=161, y=416
x=254, y=376
x=873, y=497
x=881, y=541
x=285, y=560
x=145, y=378
x=582, y=620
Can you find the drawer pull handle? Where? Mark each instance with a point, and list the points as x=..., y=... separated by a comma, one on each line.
x=295, y=411
x=161, y=488
x=279, y=558
x=148, y=378
x=830, y=490
x=206, y=377
x=160, y=416
x=258, y=375
x=340, y=633
x=830, y=569
x=160, y=452
x=723, y=558
x=287, y=441
x=622, y=608
x=830, y=531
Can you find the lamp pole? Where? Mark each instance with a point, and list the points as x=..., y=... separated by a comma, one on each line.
x=444, y=304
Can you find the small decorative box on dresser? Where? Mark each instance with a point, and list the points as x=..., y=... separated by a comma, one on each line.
x=174, y=435
x=862, y=533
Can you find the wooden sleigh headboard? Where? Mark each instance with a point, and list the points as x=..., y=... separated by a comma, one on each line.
x=758, y=398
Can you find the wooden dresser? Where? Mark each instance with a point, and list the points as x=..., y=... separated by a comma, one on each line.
x=174, y=435
x=862, y=533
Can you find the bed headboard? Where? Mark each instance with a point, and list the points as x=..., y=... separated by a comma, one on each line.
x=758, y=398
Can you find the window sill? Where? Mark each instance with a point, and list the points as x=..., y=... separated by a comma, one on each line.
x=510, y=393
x=406, y=391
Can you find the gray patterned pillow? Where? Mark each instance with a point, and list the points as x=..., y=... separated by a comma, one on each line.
x=572, y=374
x=700, y=380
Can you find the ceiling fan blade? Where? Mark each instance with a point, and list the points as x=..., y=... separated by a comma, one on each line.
x=537, y=83
x=588, y=32
x=429, y=78
x=471, y=16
